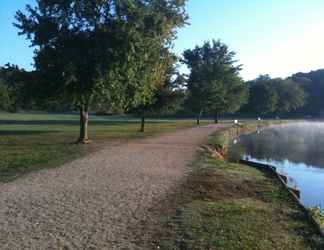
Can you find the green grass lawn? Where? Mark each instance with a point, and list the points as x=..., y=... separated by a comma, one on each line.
x=34, y=141
x=225, y=206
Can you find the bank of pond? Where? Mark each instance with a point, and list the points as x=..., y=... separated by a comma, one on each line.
x=225, y=205
x=296, y=151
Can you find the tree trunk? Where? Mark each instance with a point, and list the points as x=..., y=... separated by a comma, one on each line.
x=142, y=123
x=84, y=119
x=216, y=118
x=198, y=117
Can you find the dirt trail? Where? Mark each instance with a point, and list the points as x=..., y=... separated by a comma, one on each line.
x=103, y=201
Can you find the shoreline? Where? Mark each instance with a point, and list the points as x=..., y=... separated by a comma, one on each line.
x=225, y=205
x=293, y=192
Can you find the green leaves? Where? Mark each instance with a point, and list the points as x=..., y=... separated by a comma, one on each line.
x=263, y=96
x=115, y=51
x=86, y=48
x=269, y=96
x=214, y=84
x=5, y=103
x=290, y=96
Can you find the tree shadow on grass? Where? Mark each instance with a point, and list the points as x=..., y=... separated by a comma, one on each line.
x=24, y=132
x=75, y=122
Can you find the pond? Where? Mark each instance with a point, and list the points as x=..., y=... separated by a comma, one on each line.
x=296, y=150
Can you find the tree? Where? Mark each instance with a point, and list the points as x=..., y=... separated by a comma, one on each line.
x=230, y=97
x=290, y=96
x=5, y=104
x=168, y=96
x=88, y=48
x=269, y=96
x=313, y=85
x=214, y=84
x=153, y=58
x=151, y=78
x=263, y=96
x=17, y=83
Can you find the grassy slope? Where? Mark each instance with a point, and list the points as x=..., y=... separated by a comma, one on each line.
x=34, y=141
x=231, y=206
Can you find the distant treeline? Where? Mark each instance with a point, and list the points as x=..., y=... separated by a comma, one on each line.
x=277, y=97
x=312, y=84
x=114, y=57
x=298, y=95
x=21, y=90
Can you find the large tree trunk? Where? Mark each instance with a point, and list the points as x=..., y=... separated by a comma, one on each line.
x=84, y=119
x=142, y=123
x=216, y=118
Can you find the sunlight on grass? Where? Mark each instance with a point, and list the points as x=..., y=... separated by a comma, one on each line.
x=34, y=141
x=225, y=206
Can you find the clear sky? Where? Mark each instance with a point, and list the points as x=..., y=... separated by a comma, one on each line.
x=276, y=37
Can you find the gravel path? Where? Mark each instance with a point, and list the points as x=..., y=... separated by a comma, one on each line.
x=106, y=200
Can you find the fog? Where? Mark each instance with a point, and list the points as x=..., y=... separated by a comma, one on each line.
x=299, y=143
x=296, y=150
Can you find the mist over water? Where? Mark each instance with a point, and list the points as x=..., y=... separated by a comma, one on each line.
x=296, y=150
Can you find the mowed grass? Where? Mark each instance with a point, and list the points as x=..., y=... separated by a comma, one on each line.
x=30, y=142
x=225, y=206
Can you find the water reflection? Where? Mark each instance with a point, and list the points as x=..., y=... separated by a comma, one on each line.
x=297, y=150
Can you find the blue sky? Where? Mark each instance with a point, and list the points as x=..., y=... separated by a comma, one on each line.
x=277, y=37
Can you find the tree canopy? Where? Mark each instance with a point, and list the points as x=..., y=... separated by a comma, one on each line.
x=5, y=104
x=313, y=85
x=214, y=84
x=290, y=96
x=17, y=84
x=263, y=96
x=274, y=96
x=115, y=56
x=84, y=49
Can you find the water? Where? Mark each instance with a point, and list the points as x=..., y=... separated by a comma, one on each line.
x=296, y=150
